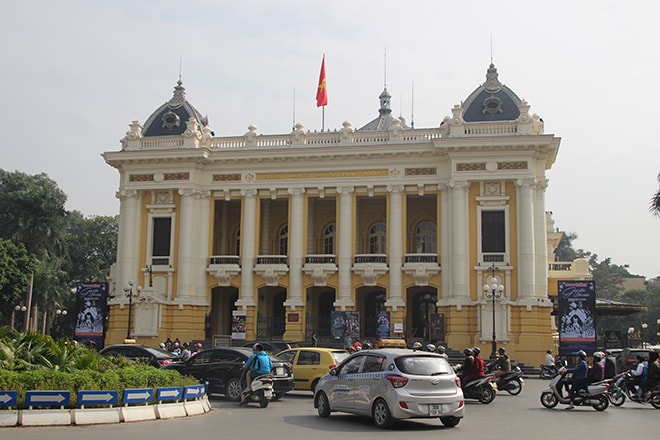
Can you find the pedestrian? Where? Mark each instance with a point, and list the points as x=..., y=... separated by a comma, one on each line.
x=609, y=366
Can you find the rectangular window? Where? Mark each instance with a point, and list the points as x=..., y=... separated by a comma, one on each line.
x=493, y=237
x=162, y=236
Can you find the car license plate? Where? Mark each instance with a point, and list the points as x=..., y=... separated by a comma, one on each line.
x=280, y=371
x=268, y=394
x=436, y=410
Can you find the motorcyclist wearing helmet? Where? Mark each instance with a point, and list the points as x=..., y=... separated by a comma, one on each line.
x=417, y=346
x=441, y=351
x=596, y=372
x=257, y=364
x=549, y=359
x=430, y=348
x=579, y=376
x=470, y=369
x=480, y=364
x=502, y=365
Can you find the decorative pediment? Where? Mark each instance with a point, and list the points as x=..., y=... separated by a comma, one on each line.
x=224, y=273
x=320, y=272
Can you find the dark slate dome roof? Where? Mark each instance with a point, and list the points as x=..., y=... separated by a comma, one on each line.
x=492, y=101
x=170, y=118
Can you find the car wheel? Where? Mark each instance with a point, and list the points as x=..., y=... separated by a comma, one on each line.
x=514, y=387
x=314, y=383
x=549, y=400
x=602, y=403
x=487, y=394
x=233, y=389
x=278, y=396
x=450, y=422
x=322, y=405
x=381, y=414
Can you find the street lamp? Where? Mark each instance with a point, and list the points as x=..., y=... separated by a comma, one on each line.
x=658, y=332
x=631, y=334
x=492, y=291
x=21, y=308
x=128, y=290
x=57, y=325
x=147, y=270
x=644, y=327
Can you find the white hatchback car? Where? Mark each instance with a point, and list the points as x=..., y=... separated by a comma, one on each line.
x=391, y=384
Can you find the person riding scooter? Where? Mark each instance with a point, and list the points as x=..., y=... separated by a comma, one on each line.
x=502, y=365
x=257, y=364
x=579, y=376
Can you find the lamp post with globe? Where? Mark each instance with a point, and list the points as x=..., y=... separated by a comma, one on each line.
x=130, y=293
x=493, y=290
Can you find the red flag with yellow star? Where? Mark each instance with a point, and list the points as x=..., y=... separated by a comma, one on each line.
x=321, y=91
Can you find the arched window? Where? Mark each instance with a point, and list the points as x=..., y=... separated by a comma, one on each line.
x=329, y=234
x=425, y=238
x=377, y=238
x=284, y=240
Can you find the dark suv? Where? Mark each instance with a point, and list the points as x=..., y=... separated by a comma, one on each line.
x=156, y=357
x=221, y=368
x=272, y=346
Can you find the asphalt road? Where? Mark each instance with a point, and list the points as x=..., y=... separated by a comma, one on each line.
x=294, y=417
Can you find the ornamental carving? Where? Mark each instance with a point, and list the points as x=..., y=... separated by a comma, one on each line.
x=520, y=165
x=177, y=176
x=478, y=166
x=421, y=171
x=141, y=178
x=226, y=177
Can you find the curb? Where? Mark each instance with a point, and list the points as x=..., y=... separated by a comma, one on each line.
x=96, y=416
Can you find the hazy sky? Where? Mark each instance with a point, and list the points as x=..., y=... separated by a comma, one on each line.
x=75, y=73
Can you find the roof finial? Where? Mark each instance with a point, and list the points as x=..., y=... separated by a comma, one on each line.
x=491, y=48
x=385, y=68
x=180, y=66
x=412, y=106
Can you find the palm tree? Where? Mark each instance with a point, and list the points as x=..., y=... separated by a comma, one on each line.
x=655, y=202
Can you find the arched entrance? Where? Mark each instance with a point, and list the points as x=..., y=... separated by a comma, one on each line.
x=218, y=321
x=271, y=313
x=421, y=311
x=320, y=302
x=371, y=300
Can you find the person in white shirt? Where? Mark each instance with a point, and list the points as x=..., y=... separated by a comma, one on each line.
x=637, y=374
x=549, y=359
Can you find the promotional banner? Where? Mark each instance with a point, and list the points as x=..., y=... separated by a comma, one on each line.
x=383, y=327
x=238, y=321
x=91, y=307
x=576, y=312
x=346, y=326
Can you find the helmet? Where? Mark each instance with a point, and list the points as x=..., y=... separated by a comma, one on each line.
x=549, y=351
x=161, y=345
x=581, y=353
x=430, y=347
x=598, y=355
x=198, y=345
x=417, y=345
x=476, y=351
x=467, y=352
x=501, y=350
x=440, y=349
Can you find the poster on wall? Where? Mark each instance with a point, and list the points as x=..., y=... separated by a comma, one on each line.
x=576, y=312
x=345, y=326
x=383, y=325
x=437, y=327
x=91, y=306
x=238, y=321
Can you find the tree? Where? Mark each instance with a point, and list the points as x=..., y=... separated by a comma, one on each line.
x=15, y=267
x=655, y=202
x=91, y=245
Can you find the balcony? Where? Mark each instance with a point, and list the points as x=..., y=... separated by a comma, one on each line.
x=224, y=268
x=271, y=268
x=320, y=268
x=421, y=267
x=370, y=267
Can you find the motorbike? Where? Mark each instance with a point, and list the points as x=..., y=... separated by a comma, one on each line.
x=620, y=390
x=511, y=382
x=594, y=394
x=261, y=389
x=483, y=389
x=550, y=371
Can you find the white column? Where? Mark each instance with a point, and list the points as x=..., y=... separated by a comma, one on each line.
x=247, y=248
x=344, y=258
x=459, y=245
x=445, y=241
x=296, y=239
x=541, y=240
x=203, y=245
x=186, y=265
x=129, y=239
x=525, y=218
x=394, y=238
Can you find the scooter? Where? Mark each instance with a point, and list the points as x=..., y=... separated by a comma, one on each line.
x=482, y=389
x=619, y=390
x=595, y=394
x=511, y=382
x=550, y=371
x=261, y=389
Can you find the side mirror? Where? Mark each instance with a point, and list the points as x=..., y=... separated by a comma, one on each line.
x=333, y=372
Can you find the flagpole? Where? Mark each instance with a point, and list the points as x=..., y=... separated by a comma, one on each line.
x=323, y=120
